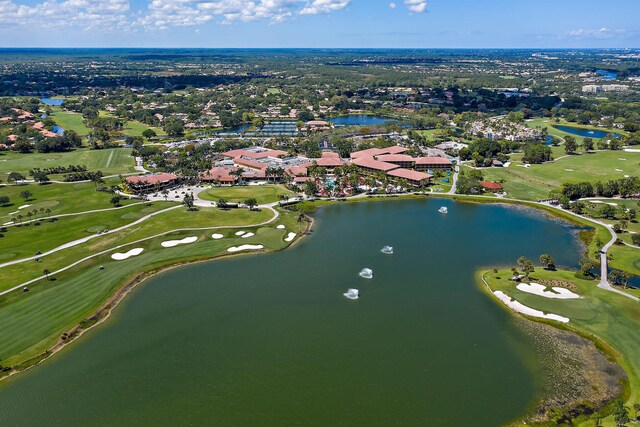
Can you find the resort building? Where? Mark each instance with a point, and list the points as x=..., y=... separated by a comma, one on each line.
x=402, y=160
x=154, y=182
x=369, y=164
x=424, y=164
x=491, y=186
x=415, y=178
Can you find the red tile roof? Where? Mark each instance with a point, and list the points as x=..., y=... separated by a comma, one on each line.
x=249, y=163
x=491, y=185
x=392, y=158
x=296, y=170
x=409, y=174
x=396, y=149
x=152, y=179
x=330, y=155
x=220, y=174
x=371, y=163
x=325, y=162
x=432, y=161
x=369, y=152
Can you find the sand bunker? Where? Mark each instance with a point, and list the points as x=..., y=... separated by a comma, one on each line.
x=351, y=293
x=119, y=256
x=538, y=289
x=619, y=170
x=23, y=206
x=244, y=236
x=387, y=250
x=172, y=243
x=245, y=248
x=569, y=170
x=606, y=203
x=619, y=158
x=290, y=237
x=280, y=227
x=240, y=233
x=521, y=308
x=366, y=273
x=217, y=236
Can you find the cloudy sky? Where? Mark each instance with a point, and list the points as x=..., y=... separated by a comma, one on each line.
x=319, y=23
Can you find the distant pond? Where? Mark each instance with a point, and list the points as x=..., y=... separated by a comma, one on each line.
x=360, y=120
x=607, y=75
x=52, y=102
x=591, y=133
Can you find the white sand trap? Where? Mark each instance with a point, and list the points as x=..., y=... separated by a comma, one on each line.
x=627, y=176
x=541, y=290
x=8, y=223
x=521, y=308
x=387, y=250
x=569, y=170
x=23, y=206
x=245, y=248
x=240, y=233
x=351, y=293
x=621, y=158
x=290, y=237
x=366, y=273
x=280, y=227
x=596, y=201
x=119, y=256
x=619, y=170
x=632, y=150
x=604, y=203
x=244, y=236
x=217, y=236
x=172, y=243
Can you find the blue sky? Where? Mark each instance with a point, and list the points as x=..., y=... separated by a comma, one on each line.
x=320, y=23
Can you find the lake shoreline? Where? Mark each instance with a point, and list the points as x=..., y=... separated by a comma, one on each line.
x=121, y=291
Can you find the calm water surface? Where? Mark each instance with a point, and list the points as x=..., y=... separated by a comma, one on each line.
x=270, y=340
x=586, y=132
x=360, y=120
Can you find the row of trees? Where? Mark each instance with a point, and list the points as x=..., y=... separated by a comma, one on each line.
x=624, y=187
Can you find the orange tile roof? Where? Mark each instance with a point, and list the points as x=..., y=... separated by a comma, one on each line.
x=409, y=174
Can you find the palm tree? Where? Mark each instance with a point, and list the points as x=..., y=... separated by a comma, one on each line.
x=238, y=173
x=48, y=212
x=42, y=213
x=29, y=215
x=165, y=193
x=46, y=273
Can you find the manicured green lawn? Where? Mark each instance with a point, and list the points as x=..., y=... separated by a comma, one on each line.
x=24, y=241
x=262, y=193
x=541, y=123
x=33, y=321
x=612, y=317
x=111, y=161
x=134, y=127
x=273, y=91
x=58, y=198
x=69, y=120
x=536, y=181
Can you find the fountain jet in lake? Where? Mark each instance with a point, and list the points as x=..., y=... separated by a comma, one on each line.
x=366, y=273
x=351, y=293
x=387, y=250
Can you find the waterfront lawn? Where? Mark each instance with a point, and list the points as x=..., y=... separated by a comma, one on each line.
x=69, y=120
x=111, y=161
x=625, y=258
x=604, y=314
x=58, y=198
x=33, y=321
x=134, y=127
x=238, y=194
x=541, y=123
x=24, y=241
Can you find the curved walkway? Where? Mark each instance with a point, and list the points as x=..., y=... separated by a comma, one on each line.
x=86, y=239
x=276, y=214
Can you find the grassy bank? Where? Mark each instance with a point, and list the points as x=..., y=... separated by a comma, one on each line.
x=598, y=314
x=34, y=321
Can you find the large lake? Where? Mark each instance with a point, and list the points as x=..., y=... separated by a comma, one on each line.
x=270, y=340
x=360, y=120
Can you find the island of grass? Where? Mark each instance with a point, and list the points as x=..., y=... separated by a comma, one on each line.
x=238, y=194
x=610, y=320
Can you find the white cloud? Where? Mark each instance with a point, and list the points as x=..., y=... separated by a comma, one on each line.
x=324, y=6
x=82, y=14
x=417, y=6
x=601, y=33
x=392, y=5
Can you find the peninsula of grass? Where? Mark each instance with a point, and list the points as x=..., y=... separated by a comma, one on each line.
x=541, y=123
x=598, y=314
x=35, y=321
x=111, y=161
x=238, y=194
